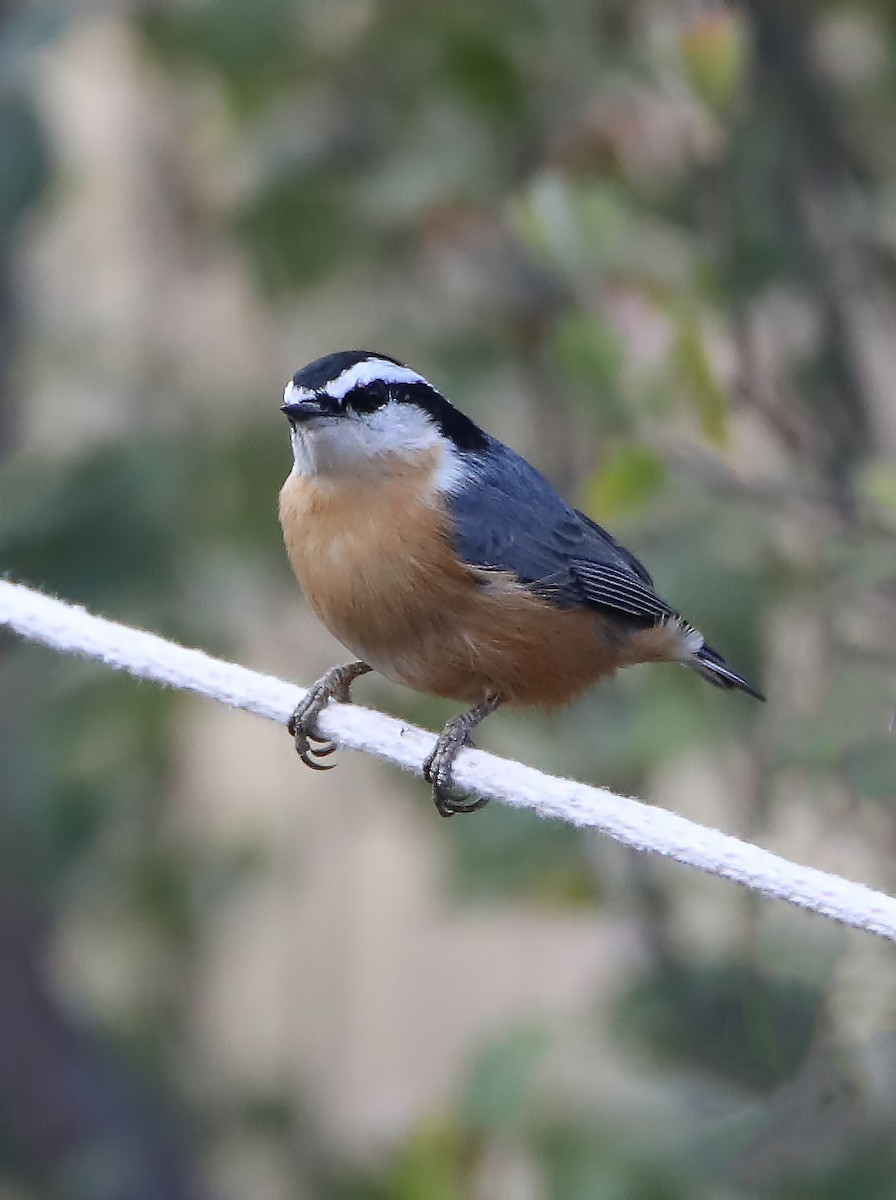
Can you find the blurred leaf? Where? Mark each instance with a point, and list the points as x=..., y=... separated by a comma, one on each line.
x=767, y=242
x=98, y=524
x=161, y=891
x=878, y=484
x=24, y=166
x=871, y=769
x=591, y=353
x=510, y=852
x=428, y=1167
x=84, y=757
x=864, y=1170
x=861, y=563
x=575, y=227
x=300, y=228
x=252, y=48
x=606, y=217
x=483, y=74
x=24, y=29
x=856, y=705
x=700, y=380
x=500, y=1081
x=544, y=216
x=714, y=48
x=675, y=711
x=726, y=1019
x=583, y=1163
x=625, y=482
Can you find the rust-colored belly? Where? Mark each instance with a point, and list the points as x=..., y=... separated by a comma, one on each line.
x=374, y=562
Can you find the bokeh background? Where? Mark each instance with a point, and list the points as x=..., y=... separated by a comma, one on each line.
x=652, y=244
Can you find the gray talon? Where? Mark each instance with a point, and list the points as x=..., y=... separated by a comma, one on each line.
x=336, y=685
x=439, y=764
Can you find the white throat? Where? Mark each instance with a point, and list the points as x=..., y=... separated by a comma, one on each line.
x=371, y=443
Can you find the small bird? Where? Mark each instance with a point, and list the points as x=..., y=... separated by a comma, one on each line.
x=447, y=563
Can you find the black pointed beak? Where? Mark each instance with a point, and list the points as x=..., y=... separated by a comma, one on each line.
x=304, y=406
x=301, y=410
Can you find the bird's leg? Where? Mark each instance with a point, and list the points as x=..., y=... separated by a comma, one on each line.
x=336, y=685
x=437, y=769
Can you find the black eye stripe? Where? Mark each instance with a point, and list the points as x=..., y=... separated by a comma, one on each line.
x=367, y=397
x=371, y=396
x=326, y=402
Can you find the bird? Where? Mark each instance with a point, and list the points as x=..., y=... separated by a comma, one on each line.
x=446, y=562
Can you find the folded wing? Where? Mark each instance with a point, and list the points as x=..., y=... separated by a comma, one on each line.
x=512, y=520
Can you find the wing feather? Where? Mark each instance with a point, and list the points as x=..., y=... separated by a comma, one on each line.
x=608, y=586
x=509, y=518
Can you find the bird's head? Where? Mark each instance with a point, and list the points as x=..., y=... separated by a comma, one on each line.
x=357, y=410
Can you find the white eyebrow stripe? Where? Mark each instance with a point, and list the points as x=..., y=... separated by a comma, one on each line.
x=295, y=395
x=368, y=371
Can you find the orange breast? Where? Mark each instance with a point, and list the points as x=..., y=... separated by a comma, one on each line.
x=373, y=557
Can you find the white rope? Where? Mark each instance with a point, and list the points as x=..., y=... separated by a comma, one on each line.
x=65, y=627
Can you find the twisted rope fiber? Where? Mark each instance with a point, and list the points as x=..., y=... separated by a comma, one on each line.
x=67, y=628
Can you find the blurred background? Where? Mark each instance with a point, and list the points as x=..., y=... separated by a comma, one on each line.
x=650, y=243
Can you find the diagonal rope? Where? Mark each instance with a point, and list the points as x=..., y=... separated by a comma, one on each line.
x=70, y=629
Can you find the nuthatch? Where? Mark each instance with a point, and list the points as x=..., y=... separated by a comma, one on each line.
x=446, y=562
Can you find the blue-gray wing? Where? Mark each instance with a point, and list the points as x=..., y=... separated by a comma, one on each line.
x=509, y=518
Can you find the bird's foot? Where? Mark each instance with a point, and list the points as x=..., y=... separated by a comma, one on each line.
x=438, y=767
x=335, y=685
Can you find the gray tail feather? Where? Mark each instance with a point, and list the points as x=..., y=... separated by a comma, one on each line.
x=715, y=670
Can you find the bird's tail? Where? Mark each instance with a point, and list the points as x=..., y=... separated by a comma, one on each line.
x=715, y=670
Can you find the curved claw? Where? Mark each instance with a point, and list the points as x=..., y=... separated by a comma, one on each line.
x=335, y=684
x=308, y=753
x=315, y=766
x=449, y=807
x=437, y=773
x=439, y=765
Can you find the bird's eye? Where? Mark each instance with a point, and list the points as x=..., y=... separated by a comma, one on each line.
x=327, y=404
x=368, y=397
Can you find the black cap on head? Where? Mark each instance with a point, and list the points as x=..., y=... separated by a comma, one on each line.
x=316, y=375
x=344, y=380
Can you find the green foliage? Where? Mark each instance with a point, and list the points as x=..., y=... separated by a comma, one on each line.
x=724, y=1018
x=590, y=355
x=254, y=52
x=99, y=527
x=626, y=482
x=715, y=50
x=661, y=229
x=501, y=1080
x=23, y=161
x=581, y=1164
x=300, y=227
x=428, y=1168
x=700, y=382
x=519, y=854
x=483, y=74
x=867, y=1174
x=838, y=736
